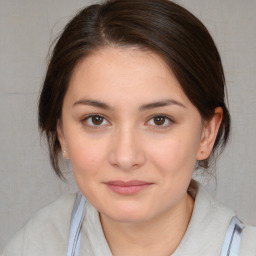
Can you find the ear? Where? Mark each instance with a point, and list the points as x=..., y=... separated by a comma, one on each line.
x=209, y=134
x=61, y=139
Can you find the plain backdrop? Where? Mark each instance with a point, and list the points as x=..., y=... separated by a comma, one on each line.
x=27, y=27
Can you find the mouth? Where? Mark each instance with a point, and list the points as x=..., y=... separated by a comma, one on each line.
x=127, y=187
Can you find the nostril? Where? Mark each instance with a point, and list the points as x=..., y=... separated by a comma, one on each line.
x=125, y=160
x=126, y=150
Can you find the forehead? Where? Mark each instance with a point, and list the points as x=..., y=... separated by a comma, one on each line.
x=110, y=73
x=107, y=60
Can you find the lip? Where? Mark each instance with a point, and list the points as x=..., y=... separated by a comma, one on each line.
x=127, y=187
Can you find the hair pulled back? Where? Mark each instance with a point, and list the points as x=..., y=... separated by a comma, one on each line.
x=160, y=26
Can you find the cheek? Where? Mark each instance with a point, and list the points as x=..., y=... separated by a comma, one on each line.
x=86, y=156
x=176, y=154
x=87, y=161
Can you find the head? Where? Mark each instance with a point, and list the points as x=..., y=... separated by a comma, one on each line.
x=141, y=36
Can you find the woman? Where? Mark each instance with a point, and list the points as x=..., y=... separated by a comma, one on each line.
x=134, y=98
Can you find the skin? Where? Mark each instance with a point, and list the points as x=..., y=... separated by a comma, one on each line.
x=128, y=143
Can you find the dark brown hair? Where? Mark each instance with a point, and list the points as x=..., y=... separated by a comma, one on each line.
x=160, y=26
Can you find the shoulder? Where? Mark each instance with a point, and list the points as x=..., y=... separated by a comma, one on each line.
x=218, y=218
x=46, y=231
x=208, y=208
x=248, y=244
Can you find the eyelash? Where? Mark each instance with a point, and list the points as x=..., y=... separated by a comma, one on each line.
x=167, y=118
x=85, y=120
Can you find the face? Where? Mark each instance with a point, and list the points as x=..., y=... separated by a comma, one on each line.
x=131, y=134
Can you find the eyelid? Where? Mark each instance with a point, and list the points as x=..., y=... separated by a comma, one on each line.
x=170, y=119
x=85, y=118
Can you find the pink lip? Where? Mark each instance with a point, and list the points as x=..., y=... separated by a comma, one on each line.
x=127, y=187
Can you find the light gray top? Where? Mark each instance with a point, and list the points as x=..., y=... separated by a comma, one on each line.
x=47, y=232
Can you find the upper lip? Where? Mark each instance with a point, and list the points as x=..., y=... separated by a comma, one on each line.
x=127, y=183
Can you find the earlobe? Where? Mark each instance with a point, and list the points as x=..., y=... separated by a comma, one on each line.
x=209, y=134
x=62, y=140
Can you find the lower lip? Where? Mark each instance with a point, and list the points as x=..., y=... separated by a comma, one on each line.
x=128, y=190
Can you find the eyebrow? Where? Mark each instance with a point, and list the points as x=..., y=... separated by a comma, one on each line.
x=93, y=103
x=161, y=103
x=102, y=105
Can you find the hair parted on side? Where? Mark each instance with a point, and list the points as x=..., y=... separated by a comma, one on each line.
x=160, y=26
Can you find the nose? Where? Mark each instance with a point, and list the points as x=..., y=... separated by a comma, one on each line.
x=126, y=150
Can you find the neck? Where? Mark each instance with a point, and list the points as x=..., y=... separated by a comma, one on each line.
x=158, y=236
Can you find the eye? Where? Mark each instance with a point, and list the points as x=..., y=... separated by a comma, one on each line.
x=161, y=121
x=95, y=120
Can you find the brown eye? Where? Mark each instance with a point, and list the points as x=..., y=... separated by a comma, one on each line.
x=95, y=120
x=159, y=120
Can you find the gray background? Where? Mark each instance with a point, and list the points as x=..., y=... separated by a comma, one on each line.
x=27, y=28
